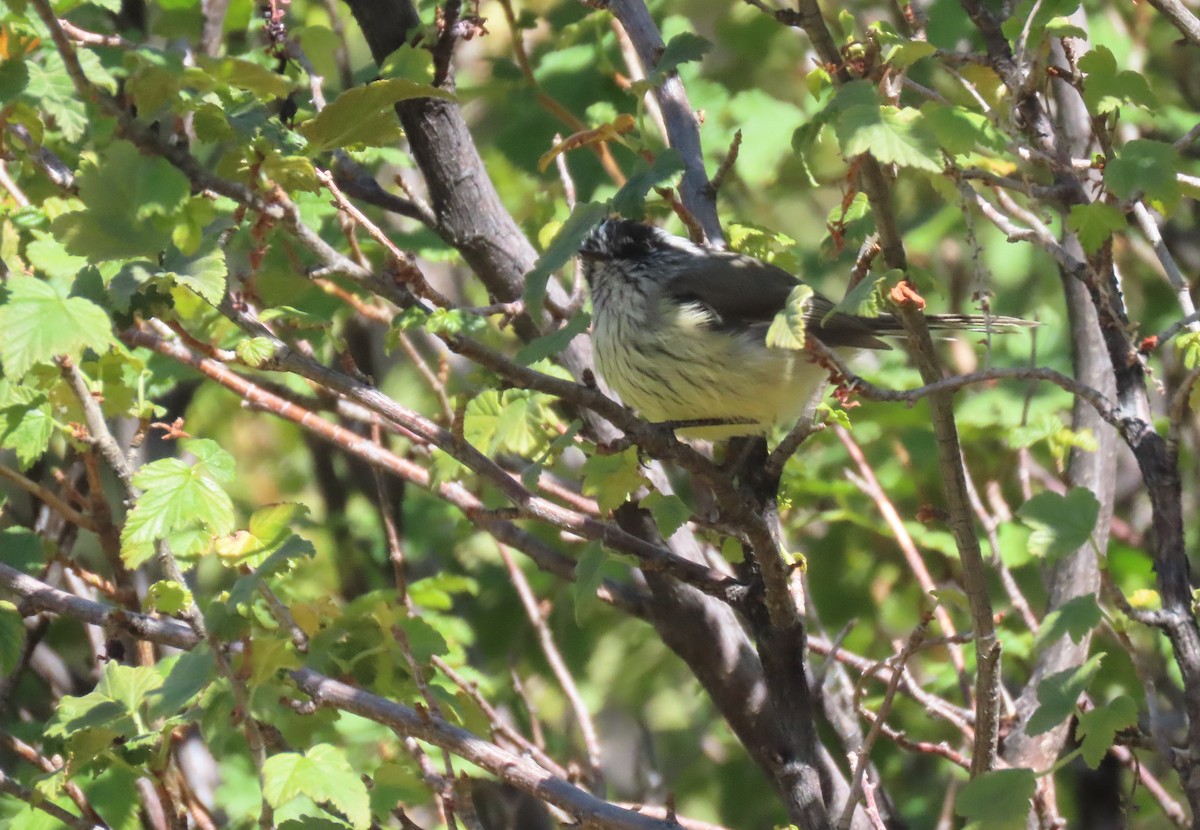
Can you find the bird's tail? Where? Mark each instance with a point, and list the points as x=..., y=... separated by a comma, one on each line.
x=985, y=323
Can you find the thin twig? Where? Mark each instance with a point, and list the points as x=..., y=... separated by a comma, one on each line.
x=591, y=739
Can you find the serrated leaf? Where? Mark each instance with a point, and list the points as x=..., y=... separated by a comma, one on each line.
x=179, y=498
x=51, y=257
x=997, y=800
x=255, y=351
x=506, y=421
x=1075, y=618
x=561, y=249
x=269, y=529
x=324, y=775
x=291, y=172
x=1094, y=223
x=669, y=512
x=681, y=49
x=1097, y=728
x=551, y=344
x=50, y=85
x=890, y=135
x=611, y=478
x=167, y=597
x=364, y=114
x=588, y=575
x=121, y=195
x=630, y=200
x=1107, y=89
x=26, y=423
x=1144, y=166
x=1060, y=524
x=40, y=324
x=864, y=299
x=787, y=329
x=204, y=271
x=1058, y=694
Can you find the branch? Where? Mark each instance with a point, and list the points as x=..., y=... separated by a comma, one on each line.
x=48, y=498
x=1181, y=18
x=517, y=770
x=683, y=131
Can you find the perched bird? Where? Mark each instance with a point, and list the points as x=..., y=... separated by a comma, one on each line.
x=680, y=332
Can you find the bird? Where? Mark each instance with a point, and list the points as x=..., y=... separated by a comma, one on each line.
x=679, y=332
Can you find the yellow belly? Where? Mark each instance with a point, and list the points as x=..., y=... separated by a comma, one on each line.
x=680, y=372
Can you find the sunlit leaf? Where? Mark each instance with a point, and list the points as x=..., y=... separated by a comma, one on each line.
x=40, y=323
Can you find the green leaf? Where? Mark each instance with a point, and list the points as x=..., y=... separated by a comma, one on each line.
x=271, y=528
x=997, y=800
x=558, y=253
x=437, y=592
x=610, y=478
x=167, y=597
x=1060, y=524
x=1144, y=166
x=179, y=499
x=395, y=784
x=51, y=87
x=189, y=675
x=51, y=257
x=669, y=512
x=1043, y=12
x=1075, y=617
x=865, y=298
x=40, y=323
x=508, y=421
x=1058, y=694
x=21, y=548
x=890, y=135
x=12, y=637
x=1187, y=346
x=256, y=351
x=588, y=575
x=1107, y=89
x=204, y=271
x=424, y=640
x=26, y=422
x=1097, y=728
x=959, y=130
x=787, y=329
x=1094, y=223
x=121, y=195
x=907, y=53
x=551, y=344
x=246, y=75
x=630, y=200
x=323, y=774
x=681, y=49
x=364, y=114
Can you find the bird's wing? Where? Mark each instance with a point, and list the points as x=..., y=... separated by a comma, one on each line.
x=740, y=291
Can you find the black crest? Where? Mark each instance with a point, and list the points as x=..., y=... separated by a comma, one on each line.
x=621, y=239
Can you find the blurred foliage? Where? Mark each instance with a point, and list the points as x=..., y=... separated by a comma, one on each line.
x=249, y=498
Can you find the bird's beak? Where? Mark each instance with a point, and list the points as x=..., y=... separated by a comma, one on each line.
x=591, y=250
